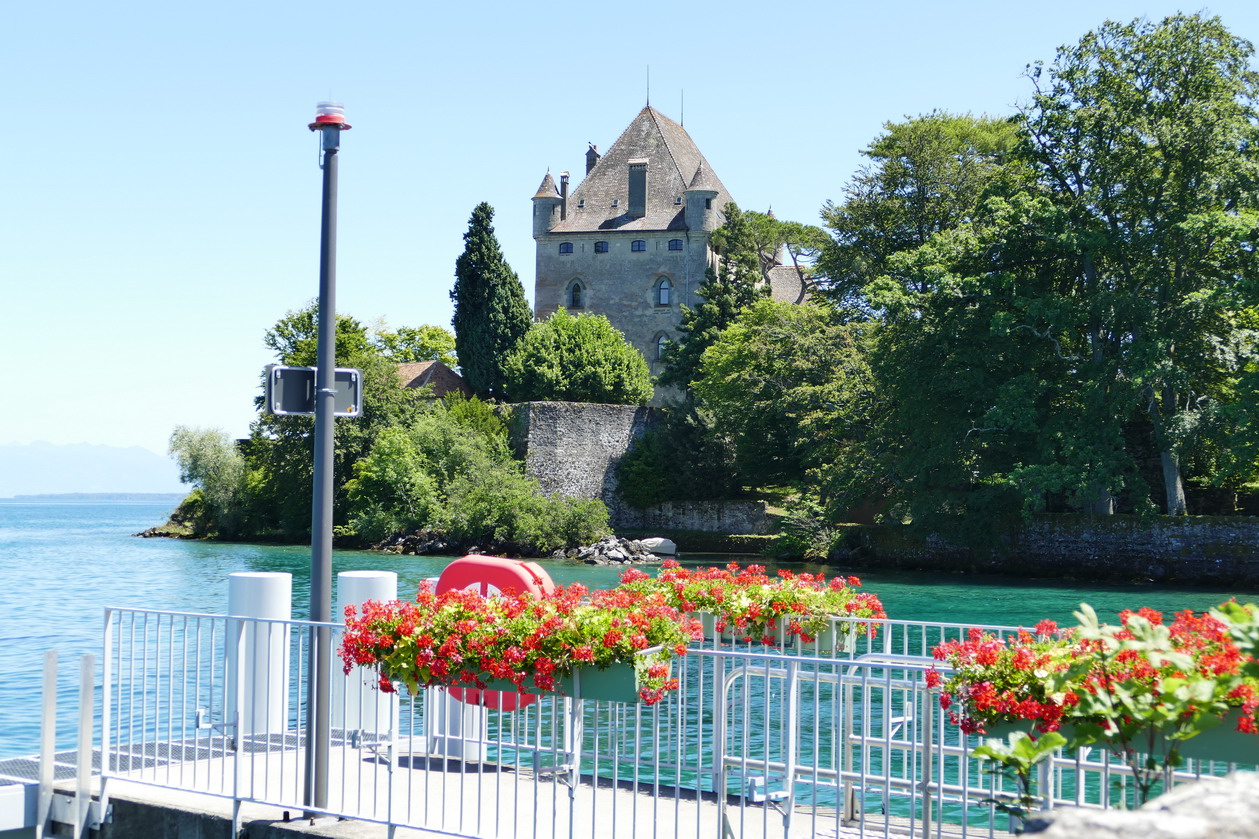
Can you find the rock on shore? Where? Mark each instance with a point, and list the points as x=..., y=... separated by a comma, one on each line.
x=610, y=550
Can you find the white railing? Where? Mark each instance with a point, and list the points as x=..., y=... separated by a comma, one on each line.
x=757, y=742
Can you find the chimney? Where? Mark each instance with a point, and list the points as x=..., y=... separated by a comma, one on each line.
x=592, y=157
x=638, y=187
x=563, y=195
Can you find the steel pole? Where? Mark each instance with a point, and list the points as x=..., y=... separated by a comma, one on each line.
x=317, y=689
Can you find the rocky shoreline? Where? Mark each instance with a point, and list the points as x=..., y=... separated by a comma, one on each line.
x=610, y=550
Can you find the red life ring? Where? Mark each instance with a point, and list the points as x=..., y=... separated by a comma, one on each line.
x=488, y=576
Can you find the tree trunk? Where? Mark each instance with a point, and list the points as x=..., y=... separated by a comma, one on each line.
x=1173, y=484
x=1100, y=502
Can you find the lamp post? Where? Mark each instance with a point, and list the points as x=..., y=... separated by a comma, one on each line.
x=329, y=122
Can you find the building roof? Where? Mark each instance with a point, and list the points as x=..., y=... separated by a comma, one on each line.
x=435, y=374
x=786, y=284
x=547, y=188
x=674, y=161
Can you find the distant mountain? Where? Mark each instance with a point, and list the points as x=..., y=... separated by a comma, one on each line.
x=43, y=469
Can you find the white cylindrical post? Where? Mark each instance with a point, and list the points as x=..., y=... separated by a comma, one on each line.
x=258, y=650
x=455, y=728
x=357, y=703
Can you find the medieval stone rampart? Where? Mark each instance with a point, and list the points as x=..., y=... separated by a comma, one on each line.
x=572, y=448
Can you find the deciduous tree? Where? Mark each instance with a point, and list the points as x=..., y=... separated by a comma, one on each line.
x=580, y=358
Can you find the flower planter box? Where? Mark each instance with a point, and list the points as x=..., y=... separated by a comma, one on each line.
x=616, y=683
x=829, y=640
x=1221, y=743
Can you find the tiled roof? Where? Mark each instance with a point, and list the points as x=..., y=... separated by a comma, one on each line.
x=785, y=284
x=547, y=188
x=705, y=179
x=673, y=159
x=441, y=378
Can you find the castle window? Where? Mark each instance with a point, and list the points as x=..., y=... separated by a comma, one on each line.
x=566, y=247
x=675, y=244
x=677, y=199
x=664, y=292
x=581, y=205
x=662, y=346
x=601, y=247
x=616, y=202
x=576, y=296
x=638, y=245
x=708, y=203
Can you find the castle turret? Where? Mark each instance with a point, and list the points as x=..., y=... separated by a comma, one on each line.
x=546, y=207
x=700, y=196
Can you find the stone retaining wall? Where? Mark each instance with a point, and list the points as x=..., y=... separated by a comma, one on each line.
x=572, y=448
x=1183, y=549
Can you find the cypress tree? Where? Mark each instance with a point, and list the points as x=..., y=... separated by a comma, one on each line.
x=491, y=315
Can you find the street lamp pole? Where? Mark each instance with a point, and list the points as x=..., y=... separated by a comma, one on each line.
x=329, y=122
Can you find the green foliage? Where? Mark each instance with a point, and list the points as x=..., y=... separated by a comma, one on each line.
x=679, y=459
x=491, y=315
x=1147, y=137
x=208, y=459
x=406, y=463
x=505, y=510
x=1018, y=757
x=926, y=175
x=770, y=374
x=424, y=343
x=579, y=358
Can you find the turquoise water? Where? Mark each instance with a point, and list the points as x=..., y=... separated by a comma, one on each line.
x=62, y=563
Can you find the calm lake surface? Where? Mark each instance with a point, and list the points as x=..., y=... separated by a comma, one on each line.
x=62, y=563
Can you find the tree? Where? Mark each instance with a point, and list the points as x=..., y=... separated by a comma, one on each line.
x=491, y=315
x=279, y=450
x=424, y=343
x=580, y=358
x=735, y=283
x=209, y=460
x=1146, y=136
x=926, y=175
x=789, y=387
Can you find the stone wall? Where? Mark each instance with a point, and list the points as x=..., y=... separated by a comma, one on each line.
x=1183, y=549
x=573, y=448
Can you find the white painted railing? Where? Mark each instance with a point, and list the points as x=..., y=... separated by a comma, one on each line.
x=758, y=742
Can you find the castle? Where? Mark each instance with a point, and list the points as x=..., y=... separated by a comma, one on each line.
x=630, y=242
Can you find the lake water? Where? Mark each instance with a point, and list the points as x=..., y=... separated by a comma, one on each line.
x=62, y=563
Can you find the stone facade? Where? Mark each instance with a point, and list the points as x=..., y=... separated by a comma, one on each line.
x=631, y=241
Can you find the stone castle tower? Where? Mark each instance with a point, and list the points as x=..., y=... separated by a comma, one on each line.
x=630, y=242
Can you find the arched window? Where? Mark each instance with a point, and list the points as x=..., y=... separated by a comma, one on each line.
x=638, y=245
x=576, y=296
x=664, y=292
x=662, y=346
x=566, y=247
x=601, y=247
x=675, y=244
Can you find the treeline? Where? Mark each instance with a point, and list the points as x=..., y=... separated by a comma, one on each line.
x=1051, y=311
x=411, y=464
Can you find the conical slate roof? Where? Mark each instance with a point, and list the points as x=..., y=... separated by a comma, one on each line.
x=547, y=188
x=705, y=180
x=673, y=161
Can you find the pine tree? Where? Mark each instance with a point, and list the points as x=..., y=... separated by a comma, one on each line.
x=491, y=315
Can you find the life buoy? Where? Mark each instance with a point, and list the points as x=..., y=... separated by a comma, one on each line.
x=488, y=576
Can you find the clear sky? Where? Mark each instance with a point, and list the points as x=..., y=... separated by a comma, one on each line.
x=159, y=207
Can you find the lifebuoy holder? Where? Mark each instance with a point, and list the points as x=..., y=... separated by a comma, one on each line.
x=490, y=576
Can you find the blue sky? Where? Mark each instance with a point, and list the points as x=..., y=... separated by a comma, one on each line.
x=160, y=202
